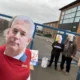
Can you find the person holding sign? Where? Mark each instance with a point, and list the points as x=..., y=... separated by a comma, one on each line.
x=57, y=47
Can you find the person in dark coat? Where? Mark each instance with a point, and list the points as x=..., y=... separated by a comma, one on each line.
x=57, y=47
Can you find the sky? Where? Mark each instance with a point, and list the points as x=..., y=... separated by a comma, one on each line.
x=40, y=11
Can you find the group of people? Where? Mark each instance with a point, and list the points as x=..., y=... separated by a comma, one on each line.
x=15, y=57
x=68, y=50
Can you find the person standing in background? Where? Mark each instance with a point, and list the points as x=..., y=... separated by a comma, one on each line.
x=57, y=47
x=68, y=53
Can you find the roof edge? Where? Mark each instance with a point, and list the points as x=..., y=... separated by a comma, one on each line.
x=75, y=2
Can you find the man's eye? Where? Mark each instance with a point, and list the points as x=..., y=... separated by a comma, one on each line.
x=15, y=31
x=22, y=34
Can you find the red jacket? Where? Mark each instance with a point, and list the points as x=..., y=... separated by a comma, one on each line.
x=13, y=69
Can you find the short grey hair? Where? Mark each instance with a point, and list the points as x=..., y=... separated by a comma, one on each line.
x=24, y=18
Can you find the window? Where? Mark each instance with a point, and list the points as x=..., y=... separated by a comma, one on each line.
x=61, y=32
x=68, y=20
x=71, y=10
x=78, y=13
x=61, y=17
x=77, y=19
x=68, y=11
x=69, y=15
x=60, y=21
x=62, y=13
x=78, y=7
x=74, y=26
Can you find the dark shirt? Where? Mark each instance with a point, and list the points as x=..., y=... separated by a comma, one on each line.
x=57, y=48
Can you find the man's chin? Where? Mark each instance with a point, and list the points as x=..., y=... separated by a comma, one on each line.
x=15, y=48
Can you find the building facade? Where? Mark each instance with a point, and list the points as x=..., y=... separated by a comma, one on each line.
x=70, y=18
x=50, y=31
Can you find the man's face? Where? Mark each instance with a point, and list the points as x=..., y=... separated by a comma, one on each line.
x=70, y=38
x=18, y=35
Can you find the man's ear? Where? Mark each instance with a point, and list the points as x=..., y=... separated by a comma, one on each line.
x=5, y=32
x=29, y=40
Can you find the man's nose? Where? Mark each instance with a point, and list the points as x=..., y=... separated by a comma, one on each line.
x=17, y=35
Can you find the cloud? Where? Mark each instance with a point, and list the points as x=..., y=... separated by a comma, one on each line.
x=40, y=11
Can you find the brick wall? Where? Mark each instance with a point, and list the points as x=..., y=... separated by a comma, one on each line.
x=78, y=37
x=50, y=31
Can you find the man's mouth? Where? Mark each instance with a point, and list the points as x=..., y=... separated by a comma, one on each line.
x=14, y=43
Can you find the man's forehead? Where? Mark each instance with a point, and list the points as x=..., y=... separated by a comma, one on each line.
x=22, y=22
x=23, y=28
x=25, y=25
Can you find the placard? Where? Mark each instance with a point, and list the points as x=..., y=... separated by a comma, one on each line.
x=34, y=57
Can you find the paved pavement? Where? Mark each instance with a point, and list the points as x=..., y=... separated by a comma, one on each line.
x=40, y=73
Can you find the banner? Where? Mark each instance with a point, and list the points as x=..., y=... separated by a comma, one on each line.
x=34, y=57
